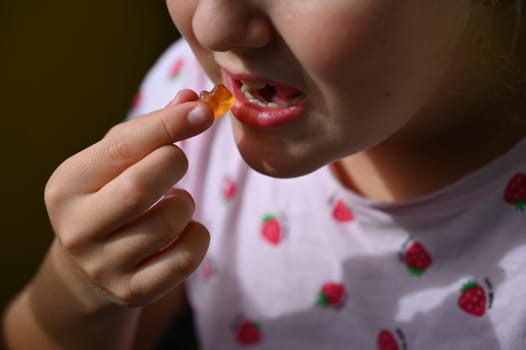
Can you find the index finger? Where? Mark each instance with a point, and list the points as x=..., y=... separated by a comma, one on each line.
x=129, y=142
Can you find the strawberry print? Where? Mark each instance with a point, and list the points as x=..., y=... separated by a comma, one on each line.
x=136, y=101
x=208, y=269
x=249, y=333
x=176, y=68
x=472, y=299
x=229, y=189
x=417, y=259
x=332, y=295
x=272, y=229
x=340, y=212
x=386, y=341
x=515, y=192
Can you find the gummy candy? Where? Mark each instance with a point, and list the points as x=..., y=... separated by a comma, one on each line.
x=219, y=100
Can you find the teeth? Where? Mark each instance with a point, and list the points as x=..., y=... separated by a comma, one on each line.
x=254, y=84
x=245, y=89
x=257, y=102
x=248, y=87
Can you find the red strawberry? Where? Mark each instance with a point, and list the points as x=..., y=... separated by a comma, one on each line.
x=331, y=294
x=208, y=269
x=515, y=192
x=341, y=213
x=249, y=333
x=271, y=229
x=229, y=190
x=417, y=258
x=137, y=98
x=176, y=68
x=386, y=341
x=472, y=299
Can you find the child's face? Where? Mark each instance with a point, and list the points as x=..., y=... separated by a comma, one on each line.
x=364, y=68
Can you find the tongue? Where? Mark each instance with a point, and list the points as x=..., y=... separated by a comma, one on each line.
x=278, y=94
x=284, y=92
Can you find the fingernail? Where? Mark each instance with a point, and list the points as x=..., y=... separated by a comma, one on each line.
x=199, y=115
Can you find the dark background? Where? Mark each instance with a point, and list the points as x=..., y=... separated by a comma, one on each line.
x=69, y=71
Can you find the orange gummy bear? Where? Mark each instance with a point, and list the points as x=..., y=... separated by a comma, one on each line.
x=219, y=100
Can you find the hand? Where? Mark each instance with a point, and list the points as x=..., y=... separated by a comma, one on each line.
x=116, y=216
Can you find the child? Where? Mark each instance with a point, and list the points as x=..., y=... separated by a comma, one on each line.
x=367, y=191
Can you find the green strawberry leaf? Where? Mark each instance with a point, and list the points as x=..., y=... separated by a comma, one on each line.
x=416, y=271
x=322, y=300
x=468, y=285
x=521, y=205
x=268, y=217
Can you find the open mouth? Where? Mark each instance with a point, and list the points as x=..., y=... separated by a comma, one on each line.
x=263, y=103
x=270, y=96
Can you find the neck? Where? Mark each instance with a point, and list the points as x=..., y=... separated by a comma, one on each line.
x=407, y=166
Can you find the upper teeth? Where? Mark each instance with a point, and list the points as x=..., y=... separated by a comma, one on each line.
x=254, y=84
x=247, y=91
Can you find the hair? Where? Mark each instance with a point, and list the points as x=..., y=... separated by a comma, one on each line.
x=511, y=55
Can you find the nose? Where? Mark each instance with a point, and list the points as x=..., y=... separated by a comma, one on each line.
x=222, y=25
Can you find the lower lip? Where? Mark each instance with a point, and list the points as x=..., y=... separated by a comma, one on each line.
x=261, y=117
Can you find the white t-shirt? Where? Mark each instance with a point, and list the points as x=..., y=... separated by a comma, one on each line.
x=305, y=263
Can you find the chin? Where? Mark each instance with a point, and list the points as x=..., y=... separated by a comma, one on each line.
x=278, y=161
x=279, y=154
x=287, y=169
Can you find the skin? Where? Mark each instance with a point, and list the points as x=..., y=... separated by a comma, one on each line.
x=124, y=264
x=385, y=80
x=388, y=81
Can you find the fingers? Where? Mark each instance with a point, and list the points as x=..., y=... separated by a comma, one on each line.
x=129, y=142
x=113, y=210
x=128, y=195
x=173, y=264
x=185, y=95
x=153, y=231
x=147, y=258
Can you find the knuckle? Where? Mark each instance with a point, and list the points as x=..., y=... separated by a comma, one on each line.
x=165, y=231
x=188, y=263
x=180, y=197
x=70, y=237
x=94, y=271
x=69, y=241
x=187, y=199
x=115, y=130
x=127, y=296
x=133, y=192
x=179, y=155
x=135, y=292
x=119, y=149
x=173, y=160
x=53, y=193
x=172, y=218
x=205, y=244
x=165, y=126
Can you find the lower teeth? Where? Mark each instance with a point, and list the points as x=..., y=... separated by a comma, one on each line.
x=247, y=91
x=262, y=103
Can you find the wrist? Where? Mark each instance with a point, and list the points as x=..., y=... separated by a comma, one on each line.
x=89, y=298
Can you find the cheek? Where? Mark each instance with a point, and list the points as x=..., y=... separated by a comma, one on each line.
x=380, y=59
x=349, y=36
x=181, y=13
